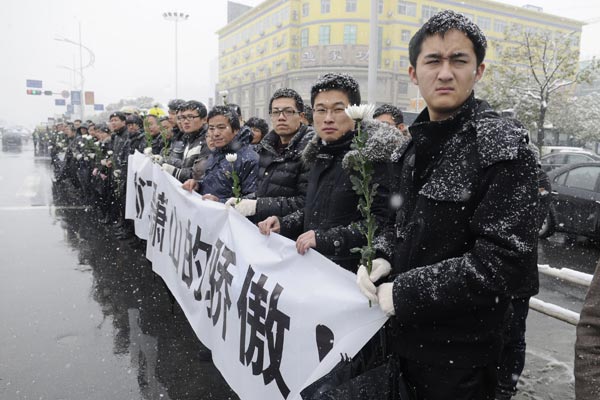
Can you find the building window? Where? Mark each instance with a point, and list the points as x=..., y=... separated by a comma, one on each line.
x=407, y=8
x=485, y=23
x=304, y=38
x=380, y=6
x=325, y=6
x=324, y=33
x=405, y=35
x=403, y=61
x=349, y=34
x=499, y=26
x=428, y=12
x=305, y=9
x=350, y=5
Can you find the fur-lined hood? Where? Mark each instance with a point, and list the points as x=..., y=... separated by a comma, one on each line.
x=385, y=143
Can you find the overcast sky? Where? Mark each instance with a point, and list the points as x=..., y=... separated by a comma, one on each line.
x=133, y=48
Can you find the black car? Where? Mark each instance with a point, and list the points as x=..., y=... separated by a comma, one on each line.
x=11, y=140
x=575, y=205
x=558, y=159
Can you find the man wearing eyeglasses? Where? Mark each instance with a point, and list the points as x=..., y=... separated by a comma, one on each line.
x=192, y=118
x=282, y=177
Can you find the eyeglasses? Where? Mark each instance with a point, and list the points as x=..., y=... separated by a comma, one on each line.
x=322, y=111
x=187, y=117
x=287, y=112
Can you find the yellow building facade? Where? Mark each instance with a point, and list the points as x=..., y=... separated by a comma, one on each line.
x=290, y=43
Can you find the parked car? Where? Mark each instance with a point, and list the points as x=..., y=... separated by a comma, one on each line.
x=559, y=158
x=11, y=140
x=575, y=201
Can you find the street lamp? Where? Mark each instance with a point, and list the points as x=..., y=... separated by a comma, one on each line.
x=175, y=17
x=81, y=66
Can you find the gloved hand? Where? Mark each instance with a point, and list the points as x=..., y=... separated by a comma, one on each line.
x=381, y=268
x=168, y=168
x=246, y=207
x=386, y=298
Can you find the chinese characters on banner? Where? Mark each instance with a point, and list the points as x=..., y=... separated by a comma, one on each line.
x=274, y=320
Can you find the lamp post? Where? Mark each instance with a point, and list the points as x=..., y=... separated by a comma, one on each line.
x=81, y=66
x=175, y=17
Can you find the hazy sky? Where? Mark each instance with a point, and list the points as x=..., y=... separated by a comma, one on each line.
x=133, y=48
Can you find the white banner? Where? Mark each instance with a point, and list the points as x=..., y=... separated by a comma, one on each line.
x=274, y=320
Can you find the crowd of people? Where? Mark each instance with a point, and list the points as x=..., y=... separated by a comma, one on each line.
x=457, y=202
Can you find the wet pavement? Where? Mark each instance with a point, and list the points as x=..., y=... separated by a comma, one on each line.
x=84, y=316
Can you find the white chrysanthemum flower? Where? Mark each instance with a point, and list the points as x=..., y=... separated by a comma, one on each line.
x=117, y=173
x=148, y=151
x=103, y=162
x=224, y=93
x=49, y=147
x=231, y=157
x=360, y=112
x=85, y=159
x=92, y=155
x=110, y=152
x=157, y=158
x=79, y=156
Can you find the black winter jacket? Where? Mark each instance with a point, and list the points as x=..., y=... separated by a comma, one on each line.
x=120, y=150
x=465, y=235
x=194, y=157
x=330, y=207
x=217, y=179
x=282, y=177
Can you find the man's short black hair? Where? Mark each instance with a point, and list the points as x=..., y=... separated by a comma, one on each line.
x=118, y=114
x=236, y=108
x=175, y=104
x=394, y=111
x=228, y=113
x=336, y=81
x=440, y=24
x=134, y=119
x=193, y=105
x=288, y=94
x=259, y=124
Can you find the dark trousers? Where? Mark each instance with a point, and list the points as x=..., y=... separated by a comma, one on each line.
x=435, y=382
x=512, y=359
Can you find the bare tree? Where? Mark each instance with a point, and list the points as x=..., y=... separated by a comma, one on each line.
x=535, y=68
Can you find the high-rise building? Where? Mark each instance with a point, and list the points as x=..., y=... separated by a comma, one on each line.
x=290, y=43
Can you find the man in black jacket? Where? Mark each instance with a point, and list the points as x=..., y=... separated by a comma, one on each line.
x=192, y=117
x=464, y=238
x=327, y=222
x=282, y=175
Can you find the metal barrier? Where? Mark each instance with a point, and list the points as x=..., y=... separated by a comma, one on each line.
x=553, y=310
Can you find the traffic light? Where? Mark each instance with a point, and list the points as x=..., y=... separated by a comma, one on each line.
x=34, y=92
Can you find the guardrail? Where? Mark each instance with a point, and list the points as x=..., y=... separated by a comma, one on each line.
x=553, y=310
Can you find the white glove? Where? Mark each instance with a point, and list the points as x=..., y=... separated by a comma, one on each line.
x=168, y=168
x=381, y=268
x=386, y=298
x=246, y=207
